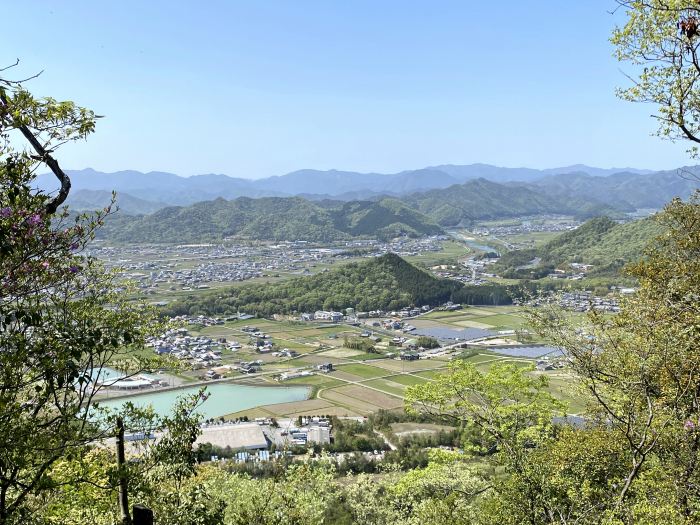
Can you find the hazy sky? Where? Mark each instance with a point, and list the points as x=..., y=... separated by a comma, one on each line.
x=261, y=88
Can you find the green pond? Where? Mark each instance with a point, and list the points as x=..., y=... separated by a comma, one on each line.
x=224, y=398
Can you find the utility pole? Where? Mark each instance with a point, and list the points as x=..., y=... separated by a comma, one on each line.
x=123, y=481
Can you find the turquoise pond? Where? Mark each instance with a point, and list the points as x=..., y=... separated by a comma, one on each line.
x=224, y=398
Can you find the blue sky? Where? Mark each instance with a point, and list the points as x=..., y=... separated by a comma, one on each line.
x=261, y=88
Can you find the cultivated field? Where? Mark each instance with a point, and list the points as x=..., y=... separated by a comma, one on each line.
x=362, y=383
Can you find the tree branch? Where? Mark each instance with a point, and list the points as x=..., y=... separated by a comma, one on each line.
x=45, y=157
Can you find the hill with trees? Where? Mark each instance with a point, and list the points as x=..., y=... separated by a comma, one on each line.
x=274, y=219
x=482, y=199
x=297, y=218
x=602, y=242
x=386, y=283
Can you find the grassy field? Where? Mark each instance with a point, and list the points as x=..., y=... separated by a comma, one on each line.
x=488, y=318
x=451, y=252
x=364, y=371
x=387, y=385
x=407, y=380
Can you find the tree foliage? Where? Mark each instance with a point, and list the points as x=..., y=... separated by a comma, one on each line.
x=660, y=40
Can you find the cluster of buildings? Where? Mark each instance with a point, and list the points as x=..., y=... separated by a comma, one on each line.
x=253, y=440
x=546, y=223
x=574, y=272
x=320, y=315
x=294, y=374
x=351, y=316
x=158, y=268
x=199, y=351
x=581, y=301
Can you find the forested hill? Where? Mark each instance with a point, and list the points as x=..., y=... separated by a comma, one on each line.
x=296, y=218
x=387, y=282
x=274, y=219
x=483, y=199
x=601, y=241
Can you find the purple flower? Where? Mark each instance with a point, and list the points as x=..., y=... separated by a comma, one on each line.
x=34, y=219
x=45, y=264
x=689, y=425
x=5, y=212
x=73, y=269
x=74, y=246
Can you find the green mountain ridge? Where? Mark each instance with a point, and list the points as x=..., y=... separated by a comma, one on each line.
x=602, y=242
x=482, y=199
x=274, y=219
x=296, y=218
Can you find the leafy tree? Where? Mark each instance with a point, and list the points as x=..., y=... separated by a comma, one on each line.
x=300, y=497
x=505, y=413
x=660, y=39
x=641, y=366
x=428, y=342
x=62, y=318
x=86, y=485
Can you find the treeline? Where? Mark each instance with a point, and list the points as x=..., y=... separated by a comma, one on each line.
x=359, y=343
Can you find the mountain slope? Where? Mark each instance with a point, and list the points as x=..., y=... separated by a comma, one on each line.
x=602, y=242
x=482, y=199
x=272, y=218
x=623, y=190
x=90, y=200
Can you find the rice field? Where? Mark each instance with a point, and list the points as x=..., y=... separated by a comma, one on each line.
x=363, y=383
x=363, y=371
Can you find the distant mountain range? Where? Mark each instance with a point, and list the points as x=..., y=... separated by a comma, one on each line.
x=624, y=190
x=334, y=205
x=162, y=189
x=96, y=199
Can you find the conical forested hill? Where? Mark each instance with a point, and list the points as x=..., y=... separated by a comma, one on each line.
x=387, y=283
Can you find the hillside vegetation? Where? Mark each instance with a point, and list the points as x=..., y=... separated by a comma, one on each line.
x=296, y=218
x=387, y=283
x=274, y=219
x=601, y=241
x=482, y=199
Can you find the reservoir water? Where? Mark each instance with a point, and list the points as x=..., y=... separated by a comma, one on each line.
x=224, y=398
x=479, y=246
